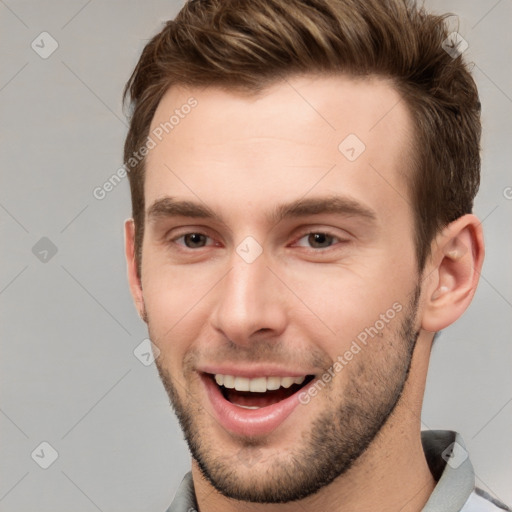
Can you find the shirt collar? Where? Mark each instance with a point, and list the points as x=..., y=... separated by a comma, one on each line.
x=450, y=466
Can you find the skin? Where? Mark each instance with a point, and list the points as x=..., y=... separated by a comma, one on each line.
x=296, y=305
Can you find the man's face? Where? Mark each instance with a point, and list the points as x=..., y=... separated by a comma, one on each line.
x=271, y=253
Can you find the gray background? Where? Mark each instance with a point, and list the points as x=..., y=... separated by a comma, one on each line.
x=68, y=373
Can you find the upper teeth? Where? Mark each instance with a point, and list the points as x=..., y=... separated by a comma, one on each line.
x=259, y=384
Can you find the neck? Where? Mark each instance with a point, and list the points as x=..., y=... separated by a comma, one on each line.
x=391, y=475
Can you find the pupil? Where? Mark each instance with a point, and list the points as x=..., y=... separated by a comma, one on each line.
x=194, y=240
x=320, y=239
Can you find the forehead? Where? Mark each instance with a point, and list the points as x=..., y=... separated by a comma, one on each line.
x=302, y=135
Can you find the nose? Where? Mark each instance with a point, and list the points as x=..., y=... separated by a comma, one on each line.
x=249, y=303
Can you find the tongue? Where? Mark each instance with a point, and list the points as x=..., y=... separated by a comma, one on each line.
x=250, y=399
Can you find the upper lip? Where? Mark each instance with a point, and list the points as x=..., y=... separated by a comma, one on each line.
x=252, y=371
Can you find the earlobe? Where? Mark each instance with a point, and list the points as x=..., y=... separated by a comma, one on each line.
x=456, y=263
x=132, y=269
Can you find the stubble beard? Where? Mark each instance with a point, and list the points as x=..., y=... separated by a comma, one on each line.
x=336, y=439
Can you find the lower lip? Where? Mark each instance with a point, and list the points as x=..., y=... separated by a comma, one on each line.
x=248, y=422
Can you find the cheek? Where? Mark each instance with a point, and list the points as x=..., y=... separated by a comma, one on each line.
x=171, y=288
x=336, y=303
x=178, y=301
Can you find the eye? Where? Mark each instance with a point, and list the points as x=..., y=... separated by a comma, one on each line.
x=193, y=240
x=317, y=240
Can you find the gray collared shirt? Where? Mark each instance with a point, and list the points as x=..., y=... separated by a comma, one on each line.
x=449, y=464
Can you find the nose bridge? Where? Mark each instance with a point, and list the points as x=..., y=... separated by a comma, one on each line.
x=247, y=302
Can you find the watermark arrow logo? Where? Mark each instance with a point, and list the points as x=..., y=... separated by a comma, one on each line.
x=44, y=45
x=454, y=455
x=44, y=455
x=249, y=457
x=351, y=147
x=44, y=249
x=455, y=45
x=146, y=352
x=249, y=249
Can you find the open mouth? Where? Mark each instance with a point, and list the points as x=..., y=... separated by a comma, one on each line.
x=260, y=391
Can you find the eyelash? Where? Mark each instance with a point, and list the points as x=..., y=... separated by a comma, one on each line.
x=175, y=239
x=336, y=240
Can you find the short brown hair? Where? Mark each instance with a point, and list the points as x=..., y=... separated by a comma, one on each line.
x=249, y=44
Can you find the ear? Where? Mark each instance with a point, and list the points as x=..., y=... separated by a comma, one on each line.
x=453, y=272
x=132, y=270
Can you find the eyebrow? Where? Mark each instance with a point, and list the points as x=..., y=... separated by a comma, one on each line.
x=315, y=206
x=170, y=207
